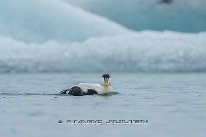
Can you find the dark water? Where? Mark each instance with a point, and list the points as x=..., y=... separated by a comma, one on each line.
x=173, y=104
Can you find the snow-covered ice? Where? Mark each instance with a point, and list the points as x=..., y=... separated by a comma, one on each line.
x=141, y=52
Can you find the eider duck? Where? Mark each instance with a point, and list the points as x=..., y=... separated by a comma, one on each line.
x=90, y=89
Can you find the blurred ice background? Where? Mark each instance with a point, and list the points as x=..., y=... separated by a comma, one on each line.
x=84, y=35
x=166, y=38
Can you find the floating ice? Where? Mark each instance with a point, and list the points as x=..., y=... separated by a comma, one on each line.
x=142, y=52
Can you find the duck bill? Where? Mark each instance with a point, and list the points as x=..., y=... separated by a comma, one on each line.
x=106, y=80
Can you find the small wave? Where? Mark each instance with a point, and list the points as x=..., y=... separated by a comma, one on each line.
x=26, y=94
x=43, y=94
x=109, y=94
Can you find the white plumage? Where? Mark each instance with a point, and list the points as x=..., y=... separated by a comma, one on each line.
x=100, y=89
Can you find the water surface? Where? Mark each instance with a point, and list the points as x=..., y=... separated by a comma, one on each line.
x=174, y=104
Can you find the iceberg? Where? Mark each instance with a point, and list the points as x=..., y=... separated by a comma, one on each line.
x=37, y=21
x=146, y=51
x=59, y=36
x=176, y=15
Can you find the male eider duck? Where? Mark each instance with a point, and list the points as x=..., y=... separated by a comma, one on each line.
x=90, y=89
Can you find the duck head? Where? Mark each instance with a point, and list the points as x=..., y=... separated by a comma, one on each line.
x=105, y=80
